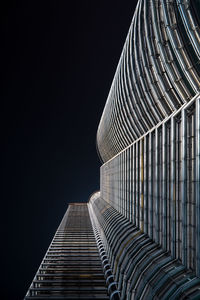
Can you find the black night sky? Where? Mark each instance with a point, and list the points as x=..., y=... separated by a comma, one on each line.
x=58, y=62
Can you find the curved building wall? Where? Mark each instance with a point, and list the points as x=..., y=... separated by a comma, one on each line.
x=157, y=74
x=154, y=183
x=140, y=235
x=141, y=267
x=148, y=209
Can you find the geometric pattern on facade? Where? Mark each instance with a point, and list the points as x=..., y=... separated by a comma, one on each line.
x=158, y=72
x=145, y=220
x=141, y=266
x=148, y=208
x=72, y=267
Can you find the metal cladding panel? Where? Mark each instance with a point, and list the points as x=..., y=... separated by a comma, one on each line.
x=158, y=72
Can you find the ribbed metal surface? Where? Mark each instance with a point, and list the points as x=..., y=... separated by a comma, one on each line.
x=148, y=208
x=146, y=217
x=152, y=183
x=142, y=268
x=158, y=72
x=71, y=268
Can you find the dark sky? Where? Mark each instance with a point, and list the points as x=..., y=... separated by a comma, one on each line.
x=59, y=59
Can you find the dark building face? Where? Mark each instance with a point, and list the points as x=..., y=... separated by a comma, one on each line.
x=141, y=232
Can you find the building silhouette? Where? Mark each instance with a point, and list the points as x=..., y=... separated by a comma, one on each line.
x=144, y=223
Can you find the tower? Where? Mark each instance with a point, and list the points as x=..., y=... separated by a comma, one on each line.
x=146, y=218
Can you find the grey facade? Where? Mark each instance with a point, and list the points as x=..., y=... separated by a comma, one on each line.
x=146, y=217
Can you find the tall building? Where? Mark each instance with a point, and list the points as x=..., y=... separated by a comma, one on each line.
x=73, y=267
x=144, y=224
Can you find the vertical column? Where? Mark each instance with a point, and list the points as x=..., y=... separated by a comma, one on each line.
x=126, y=184
x=197, y=179
x=120, y=183
x=153, y=188
x=114, y=199
x=150, y=186
x=138, y=183
x=184, y=187
x=122, y=204
x=156, y=194
x=141, y=197
x=117, y=170
x=168, y=182
x=123, y=182
x=108, y=181
x=178, y=192
x=128, y=181
x=134, y=183
x=136, y=186
x=146, y=172
x=173, y=188
x=131, y=182
x=164, y=187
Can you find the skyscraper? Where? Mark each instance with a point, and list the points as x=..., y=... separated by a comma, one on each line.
x=72, y=267
x=145, y=221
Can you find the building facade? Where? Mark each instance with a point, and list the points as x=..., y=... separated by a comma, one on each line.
x=146, y=217
x=73, y=266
